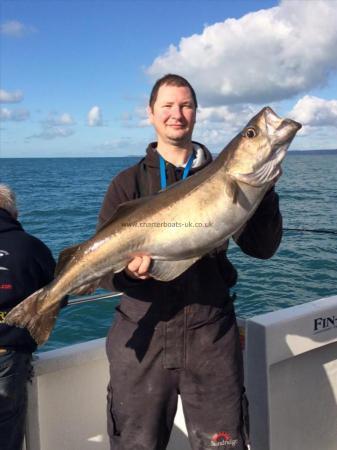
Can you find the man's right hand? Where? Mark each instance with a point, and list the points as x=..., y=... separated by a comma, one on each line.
x=138, y=267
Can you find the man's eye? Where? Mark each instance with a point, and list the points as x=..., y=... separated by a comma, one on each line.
x=250, y=133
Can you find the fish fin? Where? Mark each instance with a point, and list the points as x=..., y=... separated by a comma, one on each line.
x=232, y=188
x=28, y=314
x=124, y=209
x=64, y=257
x=168, y=270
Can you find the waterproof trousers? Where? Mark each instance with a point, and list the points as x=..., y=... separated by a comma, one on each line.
x=201, y=364
x=15, y=370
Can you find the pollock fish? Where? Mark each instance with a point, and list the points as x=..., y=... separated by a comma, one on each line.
x=222, y=196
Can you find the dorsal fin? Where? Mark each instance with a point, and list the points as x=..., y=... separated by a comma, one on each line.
x=64, y=257
x=124, y=209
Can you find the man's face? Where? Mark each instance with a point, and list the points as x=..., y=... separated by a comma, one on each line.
x=173, y=115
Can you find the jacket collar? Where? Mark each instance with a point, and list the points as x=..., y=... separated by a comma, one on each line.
x=152, y=157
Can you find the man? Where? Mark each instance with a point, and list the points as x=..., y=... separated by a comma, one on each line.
x=26, y=265
x=178, y=337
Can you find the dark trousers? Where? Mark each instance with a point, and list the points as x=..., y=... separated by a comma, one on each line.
x=15, y=369
x=143, y=392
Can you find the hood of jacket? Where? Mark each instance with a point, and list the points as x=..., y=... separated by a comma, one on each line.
x=7, y=222
x=203, y=157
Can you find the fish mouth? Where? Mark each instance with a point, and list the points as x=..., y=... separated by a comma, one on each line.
x=280, y=131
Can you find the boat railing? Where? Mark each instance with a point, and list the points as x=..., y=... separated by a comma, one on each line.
x=93, y=298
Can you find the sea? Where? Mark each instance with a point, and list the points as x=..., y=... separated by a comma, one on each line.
x=59, y=200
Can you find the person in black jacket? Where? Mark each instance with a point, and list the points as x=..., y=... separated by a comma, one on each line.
x=26, y=264
x=181, y=336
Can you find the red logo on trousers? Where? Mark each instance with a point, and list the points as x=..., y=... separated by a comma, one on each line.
x=221, y=436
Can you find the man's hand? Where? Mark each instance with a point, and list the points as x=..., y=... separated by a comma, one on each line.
x=138, y=267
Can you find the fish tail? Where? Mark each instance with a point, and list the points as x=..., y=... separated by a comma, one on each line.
x=30, y=314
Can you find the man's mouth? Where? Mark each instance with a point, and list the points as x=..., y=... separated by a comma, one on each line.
x=177, y=126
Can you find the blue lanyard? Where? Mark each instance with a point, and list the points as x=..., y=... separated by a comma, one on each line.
x=163, y=182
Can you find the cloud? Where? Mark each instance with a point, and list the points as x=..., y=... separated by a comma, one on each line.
x=138, y=119
x=315, y=112
x=15, y=115
x=264, y=56
x=122, y=146
x=16, y=29
x=217, y=125
x=230, y=116
x=53, y=133
x=10, y=97
x=95, y=117
x=55, y=126
x=113, y=145
x=61, y=120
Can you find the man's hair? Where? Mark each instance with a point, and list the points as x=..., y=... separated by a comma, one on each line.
x=171, y=80
x=8, y=200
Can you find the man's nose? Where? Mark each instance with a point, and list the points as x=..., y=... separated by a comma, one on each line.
x=176, y=112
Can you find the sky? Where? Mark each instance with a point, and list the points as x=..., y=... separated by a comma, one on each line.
x=75, y=76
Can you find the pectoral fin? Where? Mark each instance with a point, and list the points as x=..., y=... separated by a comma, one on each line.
x=232, y=188
x=168, y=270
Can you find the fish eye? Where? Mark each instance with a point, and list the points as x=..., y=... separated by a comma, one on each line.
x=250, y=133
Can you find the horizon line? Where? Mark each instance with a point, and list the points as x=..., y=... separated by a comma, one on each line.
x=324, y=150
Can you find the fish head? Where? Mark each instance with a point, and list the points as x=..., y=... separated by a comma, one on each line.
x=256, y=154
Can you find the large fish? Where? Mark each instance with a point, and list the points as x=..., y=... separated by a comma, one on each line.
x=222, y=196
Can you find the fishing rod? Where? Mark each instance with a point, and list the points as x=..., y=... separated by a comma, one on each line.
x=309, y=230
x=93, y=298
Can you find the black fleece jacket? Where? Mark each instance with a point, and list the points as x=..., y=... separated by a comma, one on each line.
x=206, y=282
x=26, y=265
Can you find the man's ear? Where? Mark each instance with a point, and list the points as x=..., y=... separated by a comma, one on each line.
x=149, y=114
